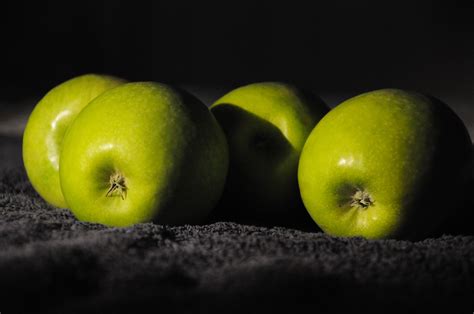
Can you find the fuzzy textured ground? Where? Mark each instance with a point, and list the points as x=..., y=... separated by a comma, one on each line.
x=52, y=263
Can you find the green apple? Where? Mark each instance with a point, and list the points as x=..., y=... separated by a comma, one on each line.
x=143, y=152
x=47, y=125
x=266, y=125
x=385, y=164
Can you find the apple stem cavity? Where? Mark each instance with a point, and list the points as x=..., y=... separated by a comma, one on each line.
x=361, y=199
x=117, y=186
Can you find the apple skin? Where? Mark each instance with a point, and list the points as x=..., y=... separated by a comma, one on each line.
x=266, y=125
x=407, y=154
x=47, y=125
x=165, y=145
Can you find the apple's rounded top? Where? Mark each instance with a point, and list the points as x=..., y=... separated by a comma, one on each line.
x=67, y=99
x=89, y=80
x=292, y=109
x=399, y=101
x=97, y=76
x=400, y=113
x=152, y=92
x=76, y=92
x=389, y=95
x=278, y=92
x=273, y=87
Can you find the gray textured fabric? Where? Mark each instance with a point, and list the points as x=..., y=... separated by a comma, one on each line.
x=50, y=262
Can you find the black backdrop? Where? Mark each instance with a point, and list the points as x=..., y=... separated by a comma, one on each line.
x=329, y=45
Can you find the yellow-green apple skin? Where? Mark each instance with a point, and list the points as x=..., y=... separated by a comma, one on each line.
x=143, y=152
x=47, y=124
x=266, y=125
x=385, y=164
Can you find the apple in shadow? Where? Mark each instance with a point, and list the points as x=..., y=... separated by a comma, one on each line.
x=266, y=125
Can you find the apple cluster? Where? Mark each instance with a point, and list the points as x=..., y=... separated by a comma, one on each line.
x=384, y=164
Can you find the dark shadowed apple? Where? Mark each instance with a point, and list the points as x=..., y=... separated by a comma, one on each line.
x=266, y=125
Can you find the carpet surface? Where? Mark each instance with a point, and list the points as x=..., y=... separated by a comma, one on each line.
x=52, y=263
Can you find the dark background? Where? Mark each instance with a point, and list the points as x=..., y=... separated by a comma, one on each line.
x=337, y=48
x=328, y=45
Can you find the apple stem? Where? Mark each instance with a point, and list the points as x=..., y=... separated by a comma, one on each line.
x=361, y=199
x=117, y=184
